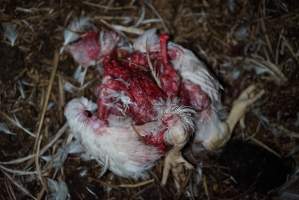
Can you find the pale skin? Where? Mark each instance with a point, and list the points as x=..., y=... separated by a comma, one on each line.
x=174, y=161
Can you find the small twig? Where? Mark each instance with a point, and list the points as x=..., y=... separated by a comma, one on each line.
x=278, y=47
x=41, y=193
x=149, y=21
x=205, y=186
x=18, y=185
x=41, y=121
x=25, y=10
x=42, y=151
x=153, y=71
x=264, y=146
x=277, y=74
x=17, y=124
x=38, y=169
x=135, y=185
x=45, y=104
x=61, y=101
x=286, y=43
x=286, y=131
x=118, y=28
x=141, y=18
x=263, y=26
x=18, y=172
x=123, y=18
x=107, y=7
x=158, y=15
x=133, y=30
x=10, y=190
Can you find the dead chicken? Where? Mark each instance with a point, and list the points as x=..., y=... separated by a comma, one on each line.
x=153, y=96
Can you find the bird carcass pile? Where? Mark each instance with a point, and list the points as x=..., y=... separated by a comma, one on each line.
x=154, y=95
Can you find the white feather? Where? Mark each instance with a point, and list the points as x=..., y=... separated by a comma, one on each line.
x=194, y=70
x=185, y=113
x=4, y=128
x=21, y=89
x=58, y=190
x=18, y=124
x=118, y=97
x=62, y=153
x=141, y=18
x=10, y=32
x=127, y=156
x=69, y=87
x=181, y=129
x=148, y=41
x=108, y=41
x=70, y=36
x=77, y=26
x=154, y=71
x=80, y=74
x=105, y=165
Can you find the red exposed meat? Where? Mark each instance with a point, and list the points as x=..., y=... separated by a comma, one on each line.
x=131, y=76
x=129, y=88
x=156, y=140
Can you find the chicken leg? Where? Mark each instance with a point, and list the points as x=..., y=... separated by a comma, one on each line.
x=174, y=160
x=240, y=106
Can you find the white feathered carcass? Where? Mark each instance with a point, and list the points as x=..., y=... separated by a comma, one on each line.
x=152, y=98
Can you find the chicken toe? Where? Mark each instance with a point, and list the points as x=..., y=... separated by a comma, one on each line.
x=241, y=105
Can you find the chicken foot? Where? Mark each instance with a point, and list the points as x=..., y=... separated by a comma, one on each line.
x=175, y=162
x=240, y=106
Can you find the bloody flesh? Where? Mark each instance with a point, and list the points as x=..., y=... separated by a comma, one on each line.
x=129, y=88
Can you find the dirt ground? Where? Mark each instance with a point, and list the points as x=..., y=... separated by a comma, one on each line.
x=241, y=41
